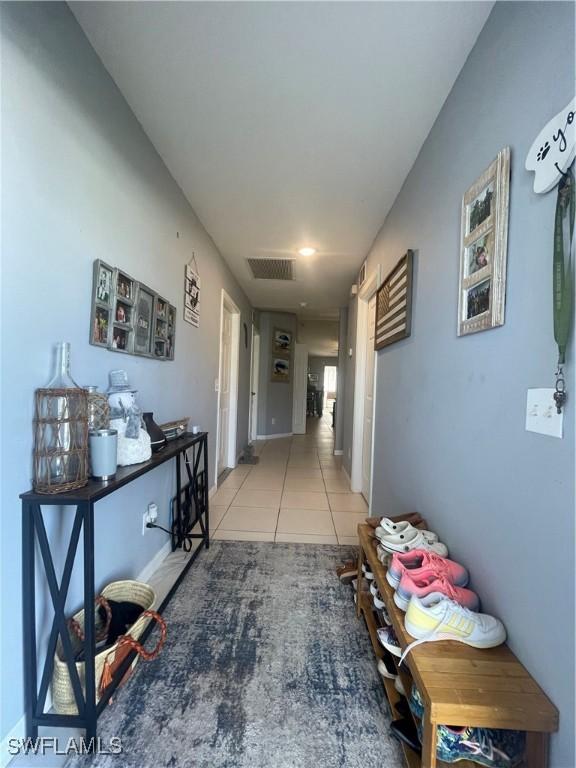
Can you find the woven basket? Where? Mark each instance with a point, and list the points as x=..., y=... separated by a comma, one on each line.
x=62, y=691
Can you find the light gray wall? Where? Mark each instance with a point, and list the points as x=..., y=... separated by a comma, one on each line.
x=81, y=181
x=341, y=395
x=274, y=397
x=450, y=439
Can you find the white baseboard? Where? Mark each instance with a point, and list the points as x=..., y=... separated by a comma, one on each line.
x=275, y=436
x=338, y=453
x=154, y=564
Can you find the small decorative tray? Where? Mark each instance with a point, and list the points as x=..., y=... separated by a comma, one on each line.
x=173, y=429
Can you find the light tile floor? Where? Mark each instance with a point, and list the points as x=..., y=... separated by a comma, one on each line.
x=297, y=492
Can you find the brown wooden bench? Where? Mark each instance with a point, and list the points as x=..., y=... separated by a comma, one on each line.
x=460, y=685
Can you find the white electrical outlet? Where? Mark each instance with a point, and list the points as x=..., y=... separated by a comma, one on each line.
x=273, y=421
x=152, y=512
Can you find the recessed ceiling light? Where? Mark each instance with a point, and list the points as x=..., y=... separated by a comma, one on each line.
x=307, y=251
x=303, y=303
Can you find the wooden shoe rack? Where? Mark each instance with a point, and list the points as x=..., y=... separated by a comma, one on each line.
x=459, y=685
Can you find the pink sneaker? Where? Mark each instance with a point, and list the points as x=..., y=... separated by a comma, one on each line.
x=420, y=560
x=431, y=581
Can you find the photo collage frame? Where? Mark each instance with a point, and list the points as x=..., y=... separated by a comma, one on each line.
x=129, y=317
x=483, y=246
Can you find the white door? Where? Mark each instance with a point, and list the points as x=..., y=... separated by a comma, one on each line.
x=224, y=384
x=254, y=385
x=368, y=402
x=299, y=391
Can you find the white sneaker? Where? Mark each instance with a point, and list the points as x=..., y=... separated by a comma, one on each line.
x=436, y=617
x=388, y=640
x=367, y=572
x=414, y=539
x=385, y=672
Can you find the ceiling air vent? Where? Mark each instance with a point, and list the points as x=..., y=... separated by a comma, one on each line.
x=272, y=269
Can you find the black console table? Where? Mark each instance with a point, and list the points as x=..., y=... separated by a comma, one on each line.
x=189, y=508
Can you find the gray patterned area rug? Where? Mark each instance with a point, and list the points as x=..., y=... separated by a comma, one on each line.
x=265, y=666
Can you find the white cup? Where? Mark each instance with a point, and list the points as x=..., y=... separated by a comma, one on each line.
x=196, y=429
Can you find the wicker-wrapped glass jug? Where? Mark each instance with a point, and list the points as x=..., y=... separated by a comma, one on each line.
x=60, y=430
x=98, y=409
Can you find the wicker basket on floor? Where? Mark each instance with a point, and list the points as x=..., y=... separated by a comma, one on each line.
x=120, y=591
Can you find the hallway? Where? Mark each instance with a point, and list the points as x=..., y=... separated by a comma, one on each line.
x=298, y=492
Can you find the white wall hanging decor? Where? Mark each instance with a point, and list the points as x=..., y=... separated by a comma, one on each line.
x=192, y=293
x=553, y=149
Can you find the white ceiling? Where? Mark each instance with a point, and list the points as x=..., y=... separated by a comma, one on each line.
x=287, y=123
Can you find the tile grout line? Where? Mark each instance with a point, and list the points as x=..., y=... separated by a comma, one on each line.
x=281, y=495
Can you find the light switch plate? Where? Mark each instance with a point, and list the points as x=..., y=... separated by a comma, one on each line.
x=541, y=414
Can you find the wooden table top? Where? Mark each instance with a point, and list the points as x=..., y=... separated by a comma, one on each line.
x=462, y=685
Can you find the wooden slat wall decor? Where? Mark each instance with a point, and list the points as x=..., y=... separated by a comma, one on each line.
x=394, y=304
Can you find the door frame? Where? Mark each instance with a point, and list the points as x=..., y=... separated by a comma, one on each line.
x=254, y=376
x=366, y=292
x=299, y=391
x=227, y=302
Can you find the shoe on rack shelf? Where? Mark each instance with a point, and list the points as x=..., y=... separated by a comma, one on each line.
x=413, y=539
x=401, y=706
x=405, y=730
x=422, y=559
x=398, y=684
x=384, y=617
x=384, y=556
x=387, y=668
x=415, y=518
x=430, y=581
x=437, y=617
x=415, y=702
x=367, y=572
x=405, y=528
x=347, y=571
x=388, y=640
x=485, y=746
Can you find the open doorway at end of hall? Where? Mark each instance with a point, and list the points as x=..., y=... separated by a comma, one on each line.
x=322, y=390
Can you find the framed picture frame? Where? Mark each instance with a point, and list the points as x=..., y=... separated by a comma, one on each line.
x=394, y=304
x=125, y=287
x=192, y=294
x=102, y=298
x=160, y=325
x=281, y=369
x=143, y=315
x=128, y=317
x=171, y=332
x=483, y=249
x=281, y=341
x=122, y=338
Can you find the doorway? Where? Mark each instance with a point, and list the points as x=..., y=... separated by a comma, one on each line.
x=364, y=386
x=254, y=374
x=330, y=394
x=227, y=384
